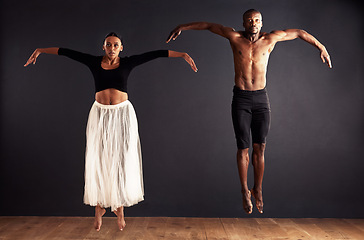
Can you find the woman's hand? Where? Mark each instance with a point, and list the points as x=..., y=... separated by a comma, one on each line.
x=190, y=61
x=186, y=57
x=38, y=51
x=33, y=57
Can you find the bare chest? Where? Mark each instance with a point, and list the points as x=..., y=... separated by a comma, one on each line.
x=245, y=50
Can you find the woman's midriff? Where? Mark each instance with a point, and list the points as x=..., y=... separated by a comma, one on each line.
x=111, y=96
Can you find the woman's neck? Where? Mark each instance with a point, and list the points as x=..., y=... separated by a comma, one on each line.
x=110, y=61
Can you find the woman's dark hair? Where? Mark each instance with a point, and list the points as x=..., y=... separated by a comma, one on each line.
x=113, y=34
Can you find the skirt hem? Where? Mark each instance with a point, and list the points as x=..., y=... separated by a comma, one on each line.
x=114, y=208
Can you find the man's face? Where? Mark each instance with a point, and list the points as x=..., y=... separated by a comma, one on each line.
x=253, y=22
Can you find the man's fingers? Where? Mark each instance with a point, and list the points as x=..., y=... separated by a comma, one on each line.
x=327, y=60
x=177, y=34
x=169, y=38
x=173, y=35
x=325, y=57
x=322, y=58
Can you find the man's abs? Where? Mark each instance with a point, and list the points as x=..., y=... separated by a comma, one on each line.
x=250, y=83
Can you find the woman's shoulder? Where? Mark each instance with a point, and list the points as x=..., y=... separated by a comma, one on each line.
x=126, y=59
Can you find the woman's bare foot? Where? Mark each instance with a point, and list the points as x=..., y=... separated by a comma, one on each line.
x=121, y=221
x=258, y=196
x=99, y=212
x=247, y=203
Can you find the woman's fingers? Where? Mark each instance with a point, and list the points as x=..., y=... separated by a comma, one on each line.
x=193, y=65
x=190, y=61
x=32, y=58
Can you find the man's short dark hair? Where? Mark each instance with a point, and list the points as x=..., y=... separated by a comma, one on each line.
x=250, y=11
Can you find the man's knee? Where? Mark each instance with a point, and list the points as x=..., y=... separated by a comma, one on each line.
x=259, y=148
x=243, y=153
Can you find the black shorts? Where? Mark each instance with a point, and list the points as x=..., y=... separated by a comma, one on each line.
x=251, y=112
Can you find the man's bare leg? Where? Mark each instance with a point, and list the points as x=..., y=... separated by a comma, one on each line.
x=99, y=212
x=242, y=157
x=258, y=164
x=121, y=221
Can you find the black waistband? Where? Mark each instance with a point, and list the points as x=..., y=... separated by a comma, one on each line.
x=238, y=90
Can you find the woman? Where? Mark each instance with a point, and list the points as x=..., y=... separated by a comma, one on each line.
x=113, y=167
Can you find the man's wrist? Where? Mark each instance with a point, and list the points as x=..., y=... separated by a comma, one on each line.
x=322, y=48
x=182, y=27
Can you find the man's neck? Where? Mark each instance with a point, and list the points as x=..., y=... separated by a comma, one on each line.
x=252, y=37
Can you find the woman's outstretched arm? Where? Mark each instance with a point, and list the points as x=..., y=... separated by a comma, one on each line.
x=38, y=51
x=185, y=56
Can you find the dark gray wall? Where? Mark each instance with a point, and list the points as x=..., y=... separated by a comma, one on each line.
x=314, y=162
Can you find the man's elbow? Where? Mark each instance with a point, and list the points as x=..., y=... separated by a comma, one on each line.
x=211, y=26
x=302, y=33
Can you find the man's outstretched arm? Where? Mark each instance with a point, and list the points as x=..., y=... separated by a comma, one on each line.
x=212, y=27
x=291, y=34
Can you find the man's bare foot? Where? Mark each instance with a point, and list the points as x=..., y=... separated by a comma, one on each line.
x=99, y=212
x=121, y=221
x=247, y=203
x=258, y=196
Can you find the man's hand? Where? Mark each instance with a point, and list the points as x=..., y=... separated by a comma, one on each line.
x=325, y=57
x=290, y=34
x=174, y=34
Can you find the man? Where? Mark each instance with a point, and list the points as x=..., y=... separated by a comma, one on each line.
x=250, y=107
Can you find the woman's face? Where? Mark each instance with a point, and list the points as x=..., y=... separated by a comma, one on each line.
x=112, y=47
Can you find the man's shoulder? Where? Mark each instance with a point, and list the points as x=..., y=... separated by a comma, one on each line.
x=274, y=35
x=236, y=33
x=277, y=33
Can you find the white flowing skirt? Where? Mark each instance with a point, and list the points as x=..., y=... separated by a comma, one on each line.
x=113, y=171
